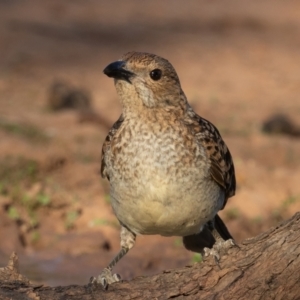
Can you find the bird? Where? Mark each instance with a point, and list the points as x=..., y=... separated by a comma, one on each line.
x=170, y=172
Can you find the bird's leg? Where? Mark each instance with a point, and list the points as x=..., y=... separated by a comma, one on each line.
x=220, y=244
x=106, y=277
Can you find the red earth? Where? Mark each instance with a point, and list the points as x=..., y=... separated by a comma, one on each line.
x=238, y=63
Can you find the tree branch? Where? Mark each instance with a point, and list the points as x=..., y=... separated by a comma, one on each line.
x=264, y=267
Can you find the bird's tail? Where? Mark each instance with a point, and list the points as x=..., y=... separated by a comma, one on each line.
x=205, y=238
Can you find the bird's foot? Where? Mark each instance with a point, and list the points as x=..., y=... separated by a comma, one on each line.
x=105, y=278
x=218, y=247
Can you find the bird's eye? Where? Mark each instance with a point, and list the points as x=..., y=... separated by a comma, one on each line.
x=155, y=74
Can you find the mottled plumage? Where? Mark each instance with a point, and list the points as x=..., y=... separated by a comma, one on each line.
x=170, y=172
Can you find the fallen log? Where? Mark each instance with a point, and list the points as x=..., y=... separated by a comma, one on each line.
x=264, y=267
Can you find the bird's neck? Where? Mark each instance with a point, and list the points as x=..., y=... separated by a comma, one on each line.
x=163, y=110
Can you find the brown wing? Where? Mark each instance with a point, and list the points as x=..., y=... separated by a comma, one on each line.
x=222, y=168
x=106, y=145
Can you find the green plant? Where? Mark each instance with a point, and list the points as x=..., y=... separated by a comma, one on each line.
x=178, y=242
x=26, y=131
x=84, y=157
x=71, y=218
x=280, y=213
x=289, y=201
x=35, y=236
x=2, y=188
x=232, y=213
x=257, y=219
x=21, y=182
x=99, y=222
x=43, y=199
x=103, y=222
x=13, y=170
x=107, y=198
x=197, y=257
x=13, y=213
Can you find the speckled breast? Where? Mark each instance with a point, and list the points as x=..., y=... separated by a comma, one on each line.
x=160, y=182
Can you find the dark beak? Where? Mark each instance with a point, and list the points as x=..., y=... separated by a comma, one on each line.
x=116, y=70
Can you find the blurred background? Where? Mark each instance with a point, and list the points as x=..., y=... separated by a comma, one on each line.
x=238, y=62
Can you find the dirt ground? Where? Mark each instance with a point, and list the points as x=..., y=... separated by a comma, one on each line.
x=238, y=63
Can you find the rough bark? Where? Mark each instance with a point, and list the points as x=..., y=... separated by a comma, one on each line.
x=264, y=267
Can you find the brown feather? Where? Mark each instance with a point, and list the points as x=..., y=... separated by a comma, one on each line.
x=107, y=143
x=221, y=168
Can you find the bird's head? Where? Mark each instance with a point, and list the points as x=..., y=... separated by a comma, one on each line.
x=144, y=79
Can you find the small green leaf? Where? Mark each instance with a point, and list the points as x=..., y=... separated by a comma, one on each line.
x=43, y=199
x=13, y=213
x=71, y=218
x=197, y=257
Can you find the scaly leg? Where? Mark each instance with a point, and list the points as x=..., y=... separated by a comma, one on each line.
x=106, y=277
x=221, y=243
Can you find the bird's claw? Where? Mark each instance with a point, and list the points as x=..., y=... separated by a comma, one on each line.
x=217, y=247
x=105, y=278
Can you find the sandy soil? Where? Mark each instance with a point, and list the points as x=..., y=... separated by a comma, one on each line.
x=238, y=63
